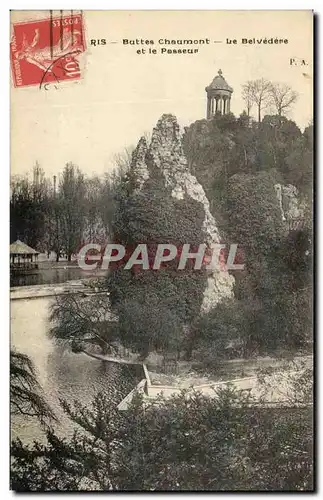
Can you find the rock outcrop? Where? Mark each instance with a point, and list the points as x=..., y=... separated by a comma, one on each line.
x=290, y=206
x=138, y=166
x=165, y=156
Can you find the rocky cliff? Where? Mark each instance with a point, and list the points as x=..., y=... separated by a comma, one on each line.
x=290, y=205
x=164, y=157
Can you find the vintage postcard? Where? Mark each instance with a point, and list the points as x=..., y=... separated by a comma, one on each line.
x=161, y=251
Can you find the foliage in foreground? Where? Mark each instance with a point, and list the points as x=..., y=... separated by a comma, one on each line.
x=26, y=397
x=182, y=443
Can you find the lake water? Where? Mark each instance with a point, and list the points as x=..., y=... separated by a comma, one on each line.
x=57, y=274
x=62, y=374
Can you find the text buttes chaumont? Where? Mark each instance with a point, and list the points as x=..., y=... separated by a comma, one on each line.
x=206, y=41
x=202, y=41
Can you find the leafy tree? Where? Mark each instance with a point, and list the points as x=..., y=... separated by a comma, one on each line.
x=26, y=396
x=276, y=138
x=208, y=147
x=243, y=156
x=254, y=213
x=71, y=197
x=216, y=335
x=272, y=280
x=150, y=325
x=278, y=264
x=299, y=165
x=56, y=223
x=29, y=209
x=182, y=443
x=293, y=302
x=59, y=217
x=91, y=201
x=111, y=188
x=107, y=203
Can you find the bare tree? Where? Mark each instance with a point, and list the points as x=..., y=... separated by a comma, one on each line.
x=258, y=93
x=282, y=97
x=122, y=163
x=247, y=96
x=85, y=322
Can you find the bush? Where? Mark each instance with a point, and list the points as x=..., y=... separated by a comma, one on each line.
x=179, y=444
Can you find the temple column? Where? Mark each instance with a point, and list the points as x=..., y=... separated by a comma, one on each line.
x=208, y=113
x=221, y=105
x=228, y=105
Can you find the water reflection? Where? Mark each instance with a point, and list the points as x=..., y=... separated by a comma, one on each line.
x=61, y=373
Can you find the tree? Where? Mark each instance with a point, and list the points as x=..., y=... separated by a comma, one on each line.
x=188, y=442
x=208, y=147
x=84, y=321
x=254, y=214
x=247, y=96
x=299, y=166
x=276, y=138
x=91, y=207
x=154, y=216
x=216, y=335
x=56, y=223
x=282, y=97
x=257, y=92
x=107, y=202
x=150, y=326
x=71, y=199
x=30, y=209
x=26, y=396
x=111, y=187
x=254, y=221
x=277, y=279
x=122, y=162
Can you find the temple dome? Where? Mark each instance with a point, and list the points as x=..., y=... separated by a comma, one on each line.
x=219, y=83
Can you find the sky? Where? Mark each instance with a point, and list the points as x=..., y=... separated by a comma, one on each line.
x=122, y=94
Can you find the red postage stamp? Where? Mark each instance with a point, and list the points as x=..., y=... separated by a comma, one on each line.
x=47, y=50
